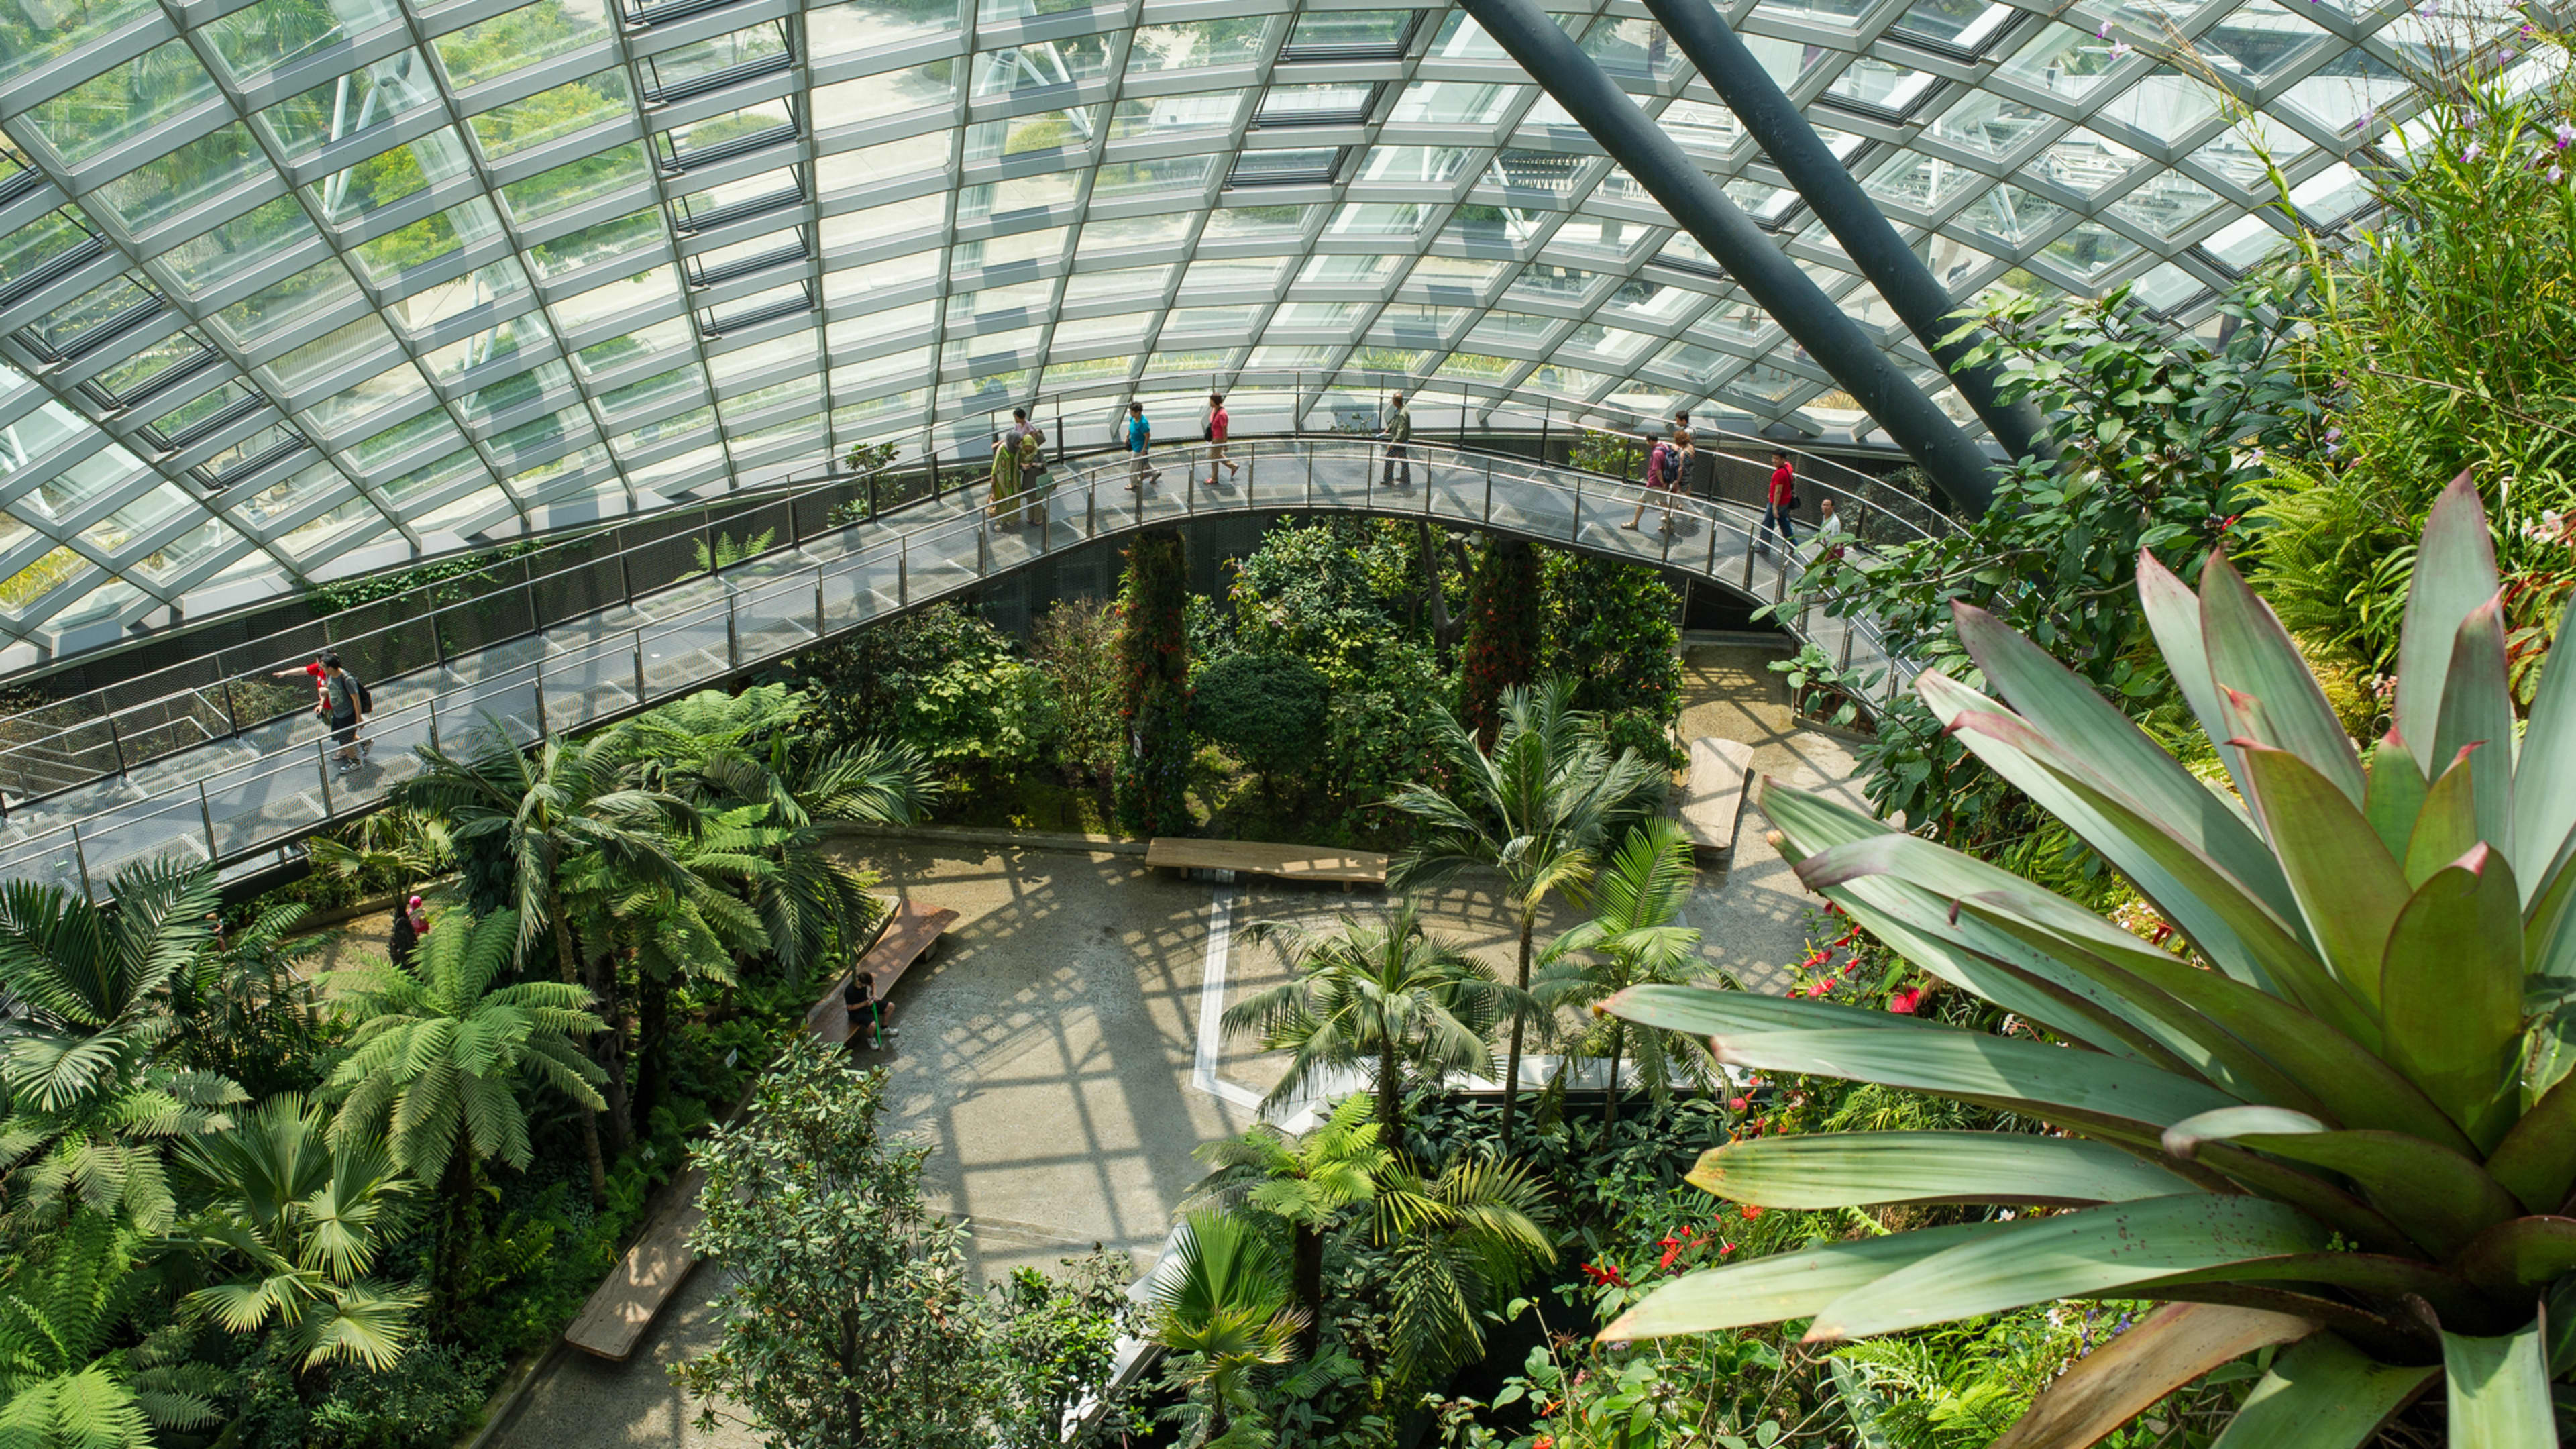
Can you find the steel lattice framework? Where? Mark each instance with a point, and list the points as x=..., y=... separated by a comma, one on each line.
x=295, y=290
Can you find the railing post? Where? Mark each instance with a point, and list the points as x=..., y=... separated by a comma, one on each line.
x=232, y=711
x=322, y=766
x=117, y=742
x=1489, y=488
x=80, y=857
x=1711, y=569
x=902, y=570
x=1843, y=661
x=1575, y=535
x=1091, y=507
x=433, y=722
x=983, y=553
x=639, y=669
x=206, y=812
x=1546, y=410
x=733, y=631
x=818, y=601
x=874, y=507
x=625, y=579
x=537, y=689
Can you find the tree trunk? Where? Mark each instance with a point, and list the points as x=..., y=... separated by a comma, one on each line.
x=653, y=1040
x=1390, y=1099
x=570, y=965
x=1610, y=1103
x=456, y=1229
x=1308, y=1271
x=611, y=1052
x=1520, y=1022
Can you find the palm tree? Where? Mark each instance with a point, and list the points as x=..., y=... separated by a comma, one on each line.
x=1633, y=940
x=717, y=749
x=440, y=1059
x=1388, y=996
x=1465, y=1240
x=89, y=1109
x=64, y=1384
x=1537, y=807
x=1306, y=1182
x=1221, y=1311
x=519, y=823
x=297, y=1223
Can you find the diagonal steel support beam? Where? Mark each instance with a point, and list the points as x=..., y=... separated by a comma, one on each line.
x=1958, y=467
x=1891, y=266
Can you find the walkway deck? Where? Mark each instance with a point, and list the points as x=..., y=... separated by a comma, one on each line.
x=237, y=802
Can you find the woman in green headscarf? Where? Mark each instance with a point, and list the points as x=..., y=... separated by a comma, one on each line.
x=1006, y=479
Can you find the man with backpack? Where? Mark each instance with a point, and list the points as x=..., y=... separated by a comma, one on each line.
x=1662, y=465
x=345, y=704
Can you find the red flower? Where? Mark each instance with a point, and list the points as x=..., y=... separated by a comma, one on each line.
x=1751, y=1211
x=1543, y=1441
x=1904, y=1002
x=1674, y=1245
x=1603, y=1277
x=1725, y=1248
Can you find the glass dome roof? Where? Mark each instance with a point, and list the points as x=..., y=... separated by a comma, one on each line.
x=294, y=290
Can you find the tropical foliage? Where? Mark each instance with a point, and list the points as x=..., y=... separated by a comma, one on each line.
x=2316, y=1107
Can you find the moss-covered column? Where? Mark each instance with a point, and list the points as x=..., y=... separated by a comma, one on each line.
x=1502, y=642
x=1154, y=688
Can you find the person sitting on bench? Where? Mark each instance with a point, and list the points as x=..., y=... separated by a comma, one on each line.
x=866, y=1011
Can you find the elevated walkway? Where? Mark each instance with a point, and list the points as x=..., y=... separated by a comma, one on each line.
x=238, y=801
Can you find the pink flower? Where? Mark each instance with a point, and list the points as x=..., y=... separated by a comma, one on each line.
x=2564, y=136
x=1904, y=1002
x=1735, y=1104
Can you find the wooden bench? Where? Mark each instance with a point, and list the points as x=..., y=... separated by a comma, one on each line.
x=615, y=1318
x=910, y=933
x=1345, y=868
x=1713, y=801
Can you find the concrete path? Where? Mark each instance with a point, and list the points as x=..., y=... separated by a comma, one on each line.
x=1751, y=912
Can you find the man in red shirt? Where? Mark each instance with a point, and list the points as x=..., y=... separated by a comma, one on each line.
x=1775, y=511
x=1216, y=426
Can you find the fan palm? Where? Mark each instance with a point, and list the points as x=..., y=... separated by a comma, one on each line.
x=64, y=1384
x=1537, y=807
x=718, y=749
x=523, y=819
x=1464, y=1239
x=1634, y=937
x=296, y=1223
x=90, y=1111
x=440, y=1060
x=1306, y=1182
x=1220, y=1309
x=1387, y=996
x=2328, y=1118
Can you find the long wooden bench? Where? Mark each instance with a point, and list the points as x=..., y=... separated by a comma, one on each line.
x=1345, y=868
x=615, y=1318
x=911, y=932
x=1713, y=801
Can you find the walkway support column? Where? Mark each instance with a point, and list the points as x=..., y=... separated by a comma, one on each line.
x=1958, y=467
x=1722, y=58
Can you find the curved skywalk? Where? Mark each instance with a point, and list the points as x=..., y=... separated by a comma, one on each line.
x=296, y=290
x=236, y=801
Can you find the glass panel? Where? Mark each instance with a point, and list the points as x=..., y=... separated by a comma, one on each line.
x=672, y=339
x=169, y=184
x=604, y=242
x=378, y=95
x=424, y=241
x=63, y=330
x=863, y=25
x=384, y=179
x=550, y=115
x=885, y=95
x=31, y=35
x=1195, y=47
x=526, y=331
x=251, y=42
x=123, y=103
x=332, y=350
x=521, y=38
x=573, y=183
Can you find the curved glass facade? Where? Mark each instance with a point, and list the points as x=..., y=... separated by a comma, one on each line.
x=298, y=289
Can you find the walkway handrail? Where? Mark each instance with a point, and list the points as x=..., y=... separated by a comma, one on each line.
x=118, y=739
x=629, y=656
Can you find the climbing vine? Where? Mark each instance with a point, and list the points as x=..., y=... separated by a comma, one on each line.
x=1154, y=702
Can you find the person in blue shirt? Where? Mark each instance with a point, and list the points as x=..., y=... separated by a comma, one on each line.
x=1139, y=438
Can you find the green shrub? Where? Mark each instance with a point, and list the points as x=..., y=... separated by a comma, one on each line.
x=943, y=681
x=432, y=1396
x=1267, y=710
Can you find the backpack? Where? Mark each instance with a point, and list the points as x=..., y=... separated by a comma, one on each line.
x=1659, y=466
x=366, y=699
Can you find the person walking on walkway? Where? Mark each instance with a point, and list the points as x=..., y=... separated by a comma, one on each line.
x=1397, y=428
x=1033, y=477
x=1661, y=459
x=1006, y=479
x=1139, y=438
x=1217, y=422
x=343, y=705
x=1782, y=497
x=866, y=1012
